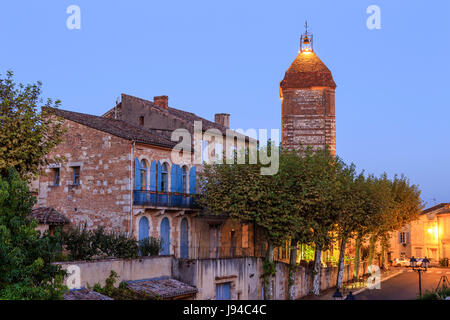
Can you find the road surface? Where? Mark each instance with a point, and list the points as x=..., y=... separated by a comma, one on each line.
x=406, y=285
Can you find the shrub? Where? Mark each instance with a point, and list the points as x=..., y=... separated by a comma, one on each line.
x=438, y=294
x=86, y=244
x=123, y=292
x=150, y=246
x=79, y=242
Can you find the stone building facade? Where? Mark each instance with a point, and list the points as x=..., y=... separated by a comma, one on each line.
x=119, y=174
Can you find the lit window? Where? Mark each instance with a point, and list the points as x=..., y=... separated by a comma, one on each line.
x=402, y=237
x=76, y=176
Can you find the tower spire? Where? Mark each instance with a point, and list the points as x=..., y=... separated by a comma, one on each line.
x=306, y=40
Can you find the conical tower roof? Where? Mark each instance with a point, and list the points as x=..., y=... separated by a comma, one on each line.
x=307, y=71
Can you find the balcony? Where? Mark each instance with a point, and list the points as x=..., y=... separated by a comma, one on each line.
x=164, y=199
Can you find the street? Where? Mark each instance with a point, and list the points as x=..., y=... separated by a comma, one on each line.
x=406, y=285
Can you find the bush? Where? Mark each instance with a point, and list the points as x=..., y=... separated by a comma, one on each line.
x=86, y=244
x=443, y=262
x=439, y=294
x=79, y=242
x=122, y=292
x=150, y=247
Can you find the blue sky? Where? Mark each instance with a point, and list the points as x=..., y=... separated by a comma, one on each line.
x=392, y=101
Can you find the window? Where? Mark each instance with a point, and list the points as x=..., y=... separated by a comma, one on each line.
x=184, y=179
x=56, y=177
x=141, y=121
x=143, y=169
x=402, y=237
x=76, y=176
x=245, y=236
x=164, y=178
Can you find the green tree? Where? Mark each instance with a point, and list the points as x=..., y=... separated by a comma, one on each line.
x=26, y=135
x=349, y=201
x=245, y=195
x=26, y=271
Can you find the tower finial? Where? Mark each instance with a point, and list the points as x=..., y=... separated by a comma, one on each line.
x=306, y=40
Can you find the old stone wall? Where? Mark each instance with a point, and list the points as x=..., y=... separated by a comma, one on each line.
x=103, y=196
x=308, y=118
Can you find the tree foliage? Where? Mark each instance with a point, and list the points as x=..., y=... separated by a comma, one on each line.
x=26, y=135
x=26, y=271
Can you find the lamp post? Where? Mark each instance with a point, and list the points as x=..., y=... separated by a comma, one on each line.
x=422, y=268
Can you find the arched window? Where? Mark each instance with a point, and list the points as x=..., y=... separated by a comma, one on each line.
x=143, y=228
x=165, y=236
x=164, y=178
x=184, y=186
x=184, y=239
x=143, y=167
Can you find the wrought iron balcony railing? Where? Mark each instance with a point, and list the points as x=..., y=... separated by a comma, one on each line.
x=164, y=199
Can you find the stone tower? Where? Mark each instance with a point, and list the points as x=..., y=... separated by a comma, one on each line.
x=307, y=99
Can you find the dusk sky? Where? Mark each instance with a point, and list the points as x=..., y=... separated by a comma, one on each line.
x=392, y=96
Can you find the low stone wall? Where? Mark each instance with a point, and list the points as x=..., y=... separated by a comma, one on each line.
x=92, y=272
x=243, y=274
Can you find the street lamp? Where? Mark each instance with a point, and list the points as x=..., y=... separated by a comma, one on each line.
x=338, y=295
x=422, y=268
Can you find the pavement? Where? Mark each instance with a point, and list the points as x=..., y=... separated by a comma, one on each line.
x=396, y=284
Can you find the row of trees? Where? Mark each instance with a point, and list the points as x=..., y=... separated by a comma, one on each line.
x=315, y=198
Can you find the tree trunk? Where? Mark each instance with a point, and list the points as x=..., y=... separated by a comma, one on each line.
x=316, y=271
x=357, y=257
x=292, y=269
x=268, y=288
x=371, y=250
x=341, y=262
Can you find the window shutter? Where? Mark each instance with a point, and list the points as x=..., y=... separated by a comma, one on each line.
x=192, y=181
x=407, y=237
x=153, y=176
x=159, y=188
x=179, y=179
x=174, y=178
x=137, y=175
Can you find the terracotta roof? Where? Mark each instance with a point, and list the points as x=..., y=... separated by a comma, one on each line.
x=49, y=216
x=85, y=294
x=307, y=71
x=445, y=208
x=163, y=288
x=186, y=117
x=117, y=128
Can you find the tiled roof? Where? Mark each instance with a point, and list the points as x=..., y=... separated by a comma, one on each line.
x=85, y=294
x=49, y=216
x=445, y=208
x=163, y=288
x=117, y=128
x=307, y=71
x=186, y=117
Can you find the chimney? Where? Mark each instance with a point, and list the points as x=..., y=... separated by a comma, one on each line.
x=223, y=119
x=161, y=101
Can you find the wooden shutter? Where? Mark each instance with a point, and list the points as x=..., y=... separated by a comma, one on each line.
x=174, y=178
x=159, y=180
x=137, y=175
x=153, y=176
x=192, y=181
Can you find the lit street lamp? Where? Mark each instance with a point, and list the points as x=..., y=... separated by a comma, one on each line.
x=422, y=268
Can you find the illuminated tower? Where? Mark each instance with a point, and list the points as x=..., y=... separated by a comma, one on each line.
x=307, y=101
